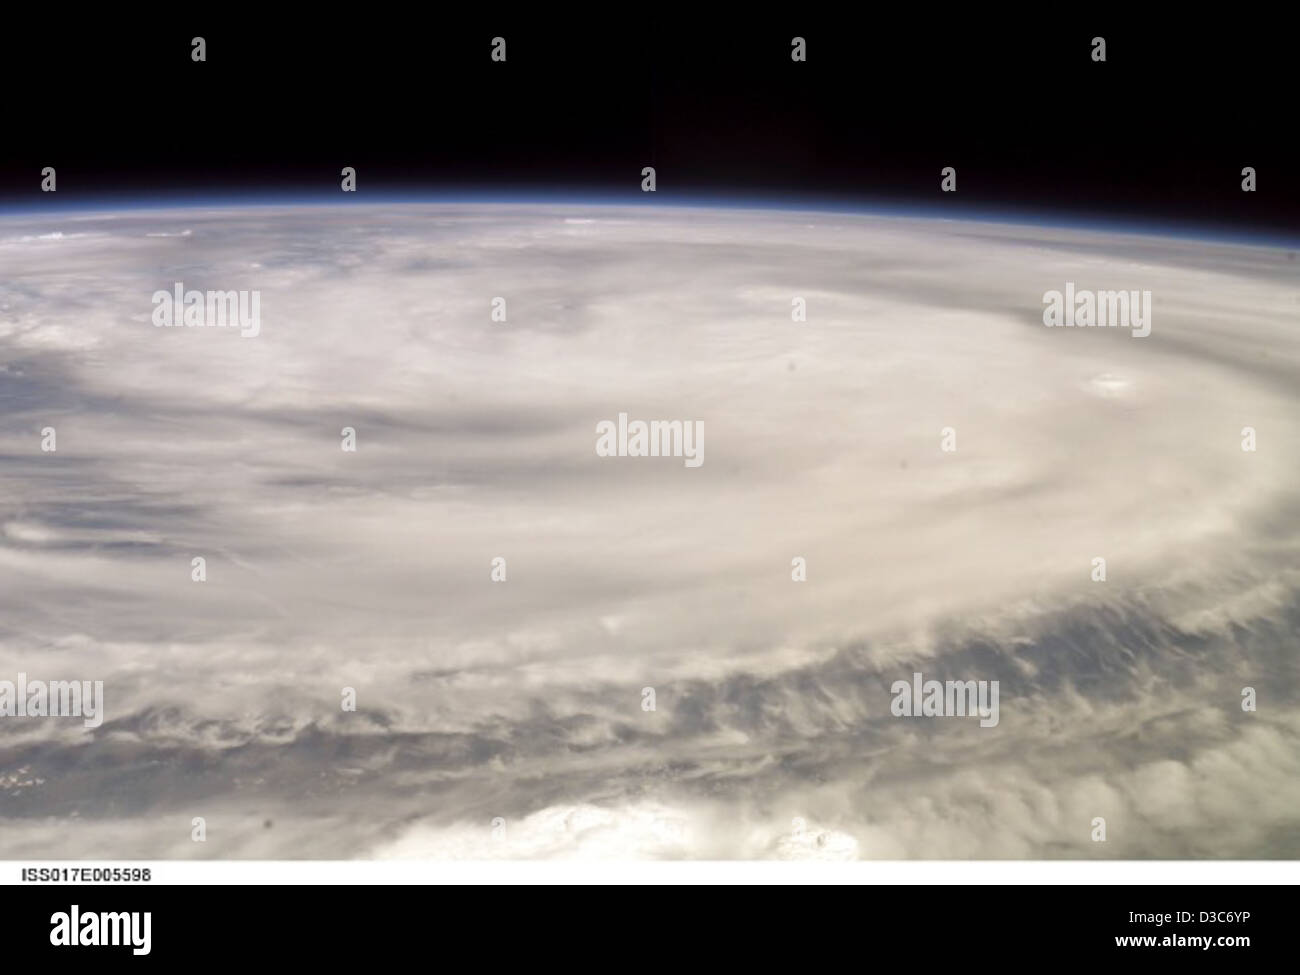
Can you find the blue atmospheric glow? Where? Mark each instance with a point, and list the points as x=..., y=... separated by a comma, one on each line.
x=955, y=210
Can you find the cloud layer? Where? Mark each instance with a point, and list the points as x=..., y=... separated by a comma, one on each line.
x=522, y=701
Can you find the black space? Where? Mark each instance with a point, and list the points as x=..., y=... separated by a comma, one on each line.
x=1158, y=133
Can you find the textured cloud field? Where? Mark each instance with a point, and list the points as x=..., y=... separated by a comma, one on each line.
x=772, y=735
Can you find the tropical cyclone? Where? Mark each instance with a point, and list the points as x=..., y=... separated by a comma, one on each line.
x=945, y=469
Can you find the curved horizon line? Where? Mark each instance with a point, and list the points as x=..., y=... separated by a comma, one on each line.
x=959, y=212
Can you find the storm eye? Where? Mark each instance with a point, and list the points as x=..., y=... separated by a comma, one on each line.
x=1109, y=385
